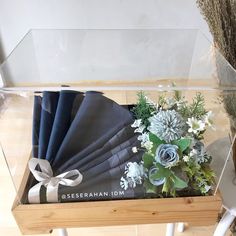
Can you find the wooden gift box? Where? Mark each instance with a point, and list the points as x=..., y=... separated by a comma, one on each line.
x=43, y=218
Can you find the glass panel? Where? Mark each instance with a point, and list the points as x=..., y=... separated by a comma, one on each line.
x=55, y=57
x=120, y=63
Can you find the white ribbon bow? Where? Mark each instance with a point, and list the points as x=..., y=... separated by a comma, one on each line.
x=45, y=178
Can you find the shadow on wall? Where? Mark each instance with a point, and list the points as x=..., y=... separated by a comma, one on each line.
x=2, y=54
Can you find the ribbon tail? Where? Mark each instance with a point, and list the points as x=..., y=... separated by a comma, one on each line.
x=52, y=193
x=34, y=193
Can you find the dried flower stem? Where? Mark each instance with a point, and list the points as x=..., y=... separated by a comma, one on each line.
x=221, y=18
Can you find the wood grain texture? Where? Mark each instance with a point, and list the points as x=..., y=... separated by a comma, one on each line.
x=35, y=218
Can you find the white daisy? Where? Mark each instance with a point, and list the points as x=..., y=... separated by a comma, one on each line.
x=195, y=126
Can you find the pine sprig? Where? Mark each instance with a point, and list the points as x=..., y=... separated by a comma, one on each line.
x=144, y=109
x=195, y=109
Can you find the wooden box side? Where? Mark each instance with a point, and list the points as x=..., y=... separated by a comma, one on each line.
x=42, y=218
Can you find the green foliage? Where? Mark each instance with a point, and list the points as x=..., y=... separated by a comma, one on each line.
x=192, y=175
x=153, y=138
x=195, y=109
x=143, y=110
x=182, y=144
x=179, y=183
x=150, y=188
x=147, y=160
x=156, y=142
x=178, y=95
x=172, y=182
x=168, y=186
x=199, y=175
x=154, y=148
x=162, y=172
x=162, y=100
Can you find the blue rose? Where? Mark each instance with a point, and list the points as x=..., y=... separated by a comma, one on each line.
x=167, y=155
x=153, y=170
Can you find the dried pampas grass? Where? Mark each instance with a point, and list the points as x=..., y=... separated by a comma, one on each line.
x=221, y=18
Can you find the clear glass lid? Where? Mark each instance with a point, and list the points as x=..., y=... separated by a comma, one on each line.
x=48, y=66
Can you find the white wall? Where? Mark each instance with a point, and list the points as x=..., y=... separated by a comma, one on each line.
x=18, y=16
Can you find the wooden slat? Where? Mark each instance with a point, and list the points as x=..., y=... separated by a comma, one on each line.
x=155, y=82
x=41, y=218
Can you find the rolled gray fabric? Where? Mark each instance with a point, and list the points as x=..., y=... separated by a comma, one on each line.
x=103, y=145
x=92, y=134
x=47, y=116
x=63, y=118
x=97, y=117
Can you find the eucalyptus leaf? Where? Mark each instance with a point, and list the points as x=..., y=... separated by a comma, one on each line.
x=154, y=148
x=179, y=183
x=182, y=144
x=147, y=160
x=162, y=172
x=153, y=138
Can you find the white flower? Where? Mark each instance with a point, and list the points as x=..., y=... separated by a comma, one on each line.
x=134, y=171
x=207, y=188
x=148, y=145
x=136, y=123
x=140, y=129
x=195, y=126
x=193, y=153
x=145, y=142
x=143, y=137
x=134, y=149
x=208, y=119
x=134, y=174
x=124, y=183
x=186, y=158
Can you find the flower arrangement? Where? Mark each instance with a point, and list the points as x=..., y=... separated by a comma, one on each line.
x=174, y=158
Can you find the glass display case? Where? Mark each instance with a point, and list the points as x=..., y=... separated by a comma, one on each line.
x=132, y=122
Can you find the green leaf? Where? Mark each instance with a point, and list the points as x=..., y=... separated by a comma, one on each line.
x=154, y=148
x=179, y=183
x=162, y=172
x=167, y=186
x=153, y=138
x=149, y=187
x=182, y=144
x=147, y=160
